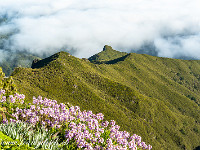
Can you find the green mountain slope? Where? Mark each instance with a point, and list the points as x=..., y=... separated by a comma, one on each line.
x=157, y=98
x=108, y=54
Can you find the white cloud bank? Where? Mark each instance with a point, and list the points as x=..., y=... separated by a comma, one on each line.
x=46, y=26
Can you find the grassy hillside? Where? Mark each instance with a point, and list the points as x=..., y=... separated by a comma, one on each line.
x=108, y=54
x=157, y=98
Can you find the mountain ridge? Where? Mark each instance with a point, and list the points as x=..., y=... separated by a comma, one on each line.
x=108, y=54
x=158, y=97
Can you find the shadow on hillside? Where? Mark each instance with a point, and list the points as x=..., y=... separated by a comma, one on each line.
x=197, y=148
x=41, y=63
x=114, y=61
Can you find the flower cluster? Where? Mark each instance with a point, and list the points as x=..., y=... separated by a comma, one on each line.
x=90, y=132
x=2, y=91
x=82, y=128
x=3, y=98
x=45, y=112
x=17, y=98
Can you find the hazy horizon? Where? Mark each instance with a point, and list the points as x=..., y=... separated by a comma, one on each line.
x=167, y=28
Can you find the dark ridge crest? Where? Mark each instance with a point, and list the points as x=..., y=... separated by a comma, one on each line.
x=41, y=63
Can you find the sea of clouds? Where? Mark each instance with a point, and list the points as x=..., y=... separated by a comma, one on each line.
x=167, y=28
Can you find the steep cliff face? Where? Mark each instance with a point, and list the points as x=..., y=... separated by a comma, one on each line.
x=157, y=98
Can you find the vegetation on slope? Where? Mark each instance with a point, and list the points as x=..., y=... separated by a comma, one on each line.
x=7, y=83
x=4, y=137
x=46, y=124
x=7, y=142
x=157, y=97
x=107, y=54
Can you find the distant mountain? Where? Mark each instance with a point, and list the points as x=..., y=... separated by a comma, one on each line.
x=157, y=98
x=12, y=59
x=108, y=54
x=17, y=60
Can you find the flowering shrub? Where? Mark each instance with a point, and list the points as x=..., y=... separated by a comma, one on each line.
x=78, y=129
